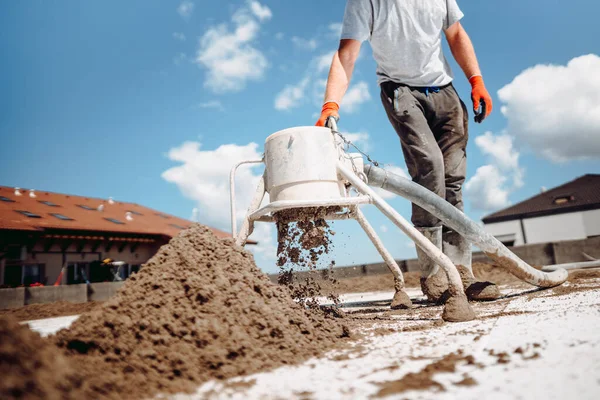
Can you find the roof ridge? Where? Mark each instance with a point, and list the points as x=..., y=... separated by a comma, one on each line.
x=549, y=194
x=38, y=191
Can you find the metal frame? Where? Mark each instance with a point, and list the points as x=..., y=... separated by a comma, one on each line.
x=366, y=196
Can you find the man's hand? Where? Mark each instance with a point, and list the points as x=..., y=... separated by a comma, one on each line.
x=330, y=109
x=480, y=97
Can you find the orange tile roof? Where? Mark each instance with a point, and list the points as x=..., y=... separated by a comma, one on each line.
x=145, y=221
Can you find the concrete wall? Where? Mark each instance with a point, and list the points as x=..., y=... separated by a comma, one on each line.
x=51, y=294
x=573, y=251
x=103, y=291
x=554, y=228
x=591, y=221
x=539, y=254
x=550, y=228
x=19, y=297
x=506, y=228
x=12, y=298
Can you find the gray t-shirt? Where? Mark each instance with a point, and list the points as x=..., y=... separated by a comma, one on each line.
x=406, y=37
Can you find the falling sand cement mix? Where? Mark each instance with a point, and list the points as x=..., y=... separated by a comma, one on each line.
x=304, y=237
x=199, y=309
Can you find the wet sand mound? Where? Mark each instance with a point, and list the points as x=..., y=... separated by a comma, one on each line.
x=199, y=309
x=30, y=367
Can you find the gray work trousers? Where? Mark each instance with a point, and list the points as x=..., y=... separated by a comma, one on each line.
x=433, y=131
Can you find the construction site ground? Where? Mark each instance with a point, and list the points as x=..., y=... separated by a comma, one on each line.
x=529, y=344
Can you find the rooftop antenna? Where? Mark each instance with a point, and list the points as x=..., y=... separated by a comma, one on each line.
x=18, y=192
x=32, y=193
x=101, y=207
x=111, y=201
x=128, y=216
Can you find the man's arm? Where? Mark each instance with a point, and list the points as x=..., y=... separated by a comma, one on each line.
x=340, y=74
x=464, y=54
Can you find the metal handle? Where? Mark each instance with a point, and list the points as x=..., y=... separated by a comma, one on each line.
x=331, y=123
x=232, y=192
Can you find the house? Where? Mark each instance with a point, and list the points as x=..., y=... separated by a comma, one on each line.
x=44, y=233
x=567, y=212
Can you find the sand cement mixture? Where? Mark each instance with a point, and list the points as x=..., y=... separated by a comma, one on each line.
x=199, y=309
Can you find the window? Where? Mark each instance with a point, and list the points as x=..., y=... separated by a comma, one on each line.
x=12, y=275
x=135, y=212
x=63, y=217
x=563, y=200
x=32, y=274
x=77, y=273
x=163, y=216
x=48, y=203
x=86, y=207
x=28, y=214
x=115, y=221
x=6, y=199
x=177, y=226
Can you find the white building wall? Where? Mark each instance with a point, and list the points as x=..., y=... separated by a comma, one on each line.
x=591, y=221
x=553, y=228
x=506, y=228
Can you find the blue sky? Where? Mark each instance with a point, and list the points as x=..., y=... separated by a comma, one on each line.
x=133, y=100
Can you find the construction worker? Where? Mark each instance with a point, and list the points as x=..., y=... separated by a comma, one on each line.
x=423, y=107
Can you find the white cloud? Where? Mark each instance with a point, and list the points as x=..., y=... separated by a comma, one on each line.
x=503, y=154
x=179, y=36
x=323, y=61
x=355, y=96
x=229, y=55
x=291, y=96
x=316, y=71
x=335, y=29
x=203, y=176
x=179, y=58
x=216, y=104
x=263, y=13
x=486, y=190
x=279, y=35
x=304, y=44
x=500, y=147
x=360, y=139
x=556, y=108
x=383, y=228
x=185, y=9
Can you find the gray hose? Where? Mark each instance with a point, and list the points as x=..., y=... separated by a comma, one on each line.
x=459, y=222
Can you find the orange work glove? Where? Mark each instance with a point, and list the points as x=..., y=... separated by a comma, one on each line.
x=330, y=109
x=480, y=97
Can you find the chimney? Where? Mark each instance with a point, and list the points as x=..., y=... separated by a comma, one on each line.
x=18, y=192
x=111, y=201
x=32, y=193
x=543, y=189
x=128, y=216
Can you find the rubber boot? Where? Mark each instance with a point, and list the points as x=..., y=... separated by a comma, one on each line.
x=458, y=250
x=434, y=282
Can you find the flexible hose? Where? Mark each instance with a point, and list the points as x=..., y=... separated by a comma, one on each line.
x=459, y=222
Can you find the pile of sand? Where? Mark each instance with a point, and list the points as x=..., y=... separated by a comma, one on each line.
x=30, y=367
x=199, y=309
